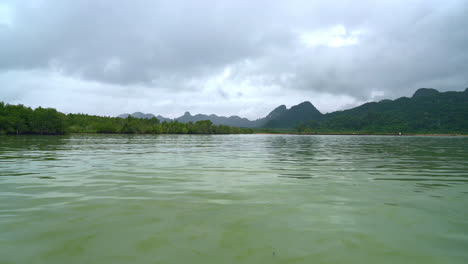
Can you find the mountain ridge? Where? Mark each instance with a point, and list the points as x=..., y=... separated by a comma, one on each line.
x=427, y=108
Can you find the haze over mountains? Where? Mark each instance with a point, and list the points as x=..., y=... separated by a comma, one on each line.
x=302, y=111
x=427, y=108
x=217, y=120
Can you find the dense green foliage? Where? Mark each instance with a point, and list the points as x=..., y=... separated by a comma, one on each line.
x=428, y=111
x=425, y=112
x=18, y=119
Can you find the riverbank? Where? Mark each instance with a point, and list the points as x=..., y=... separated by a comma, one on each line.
x=358, y=134
x=255, y=133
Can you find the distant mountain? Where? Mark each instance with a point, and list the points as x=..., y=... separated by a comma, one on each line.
x=425, y=92
x=427, y=110
x=281, y=117
x=123, y=115
x=217, y=120
x=162, y=119
x=145, y=116
x=138, y=115
x=234, y=121
x=276, y=113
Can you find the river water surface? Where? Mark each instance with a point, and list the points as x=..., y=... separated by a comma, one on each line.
x=233, y=199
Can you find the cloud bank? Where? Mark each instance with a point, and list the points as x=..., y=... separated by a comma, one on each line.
x=226, y=57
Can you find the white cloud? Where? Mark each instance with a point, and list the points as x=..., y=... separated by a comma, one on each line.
x=6, y=15
x=336, y=36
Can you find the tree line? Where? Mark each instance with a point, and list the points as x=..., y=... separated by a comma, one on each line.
x=20, y=120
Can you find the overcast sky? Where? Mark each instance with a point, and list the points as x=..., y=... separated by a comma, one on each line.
x=227, y=57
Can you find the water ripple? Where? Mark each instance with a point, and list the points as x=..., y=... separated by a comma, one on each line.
x=233, y=198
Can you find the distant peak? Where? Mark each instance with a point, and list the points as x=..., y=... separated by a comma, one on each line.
x=281, y=108
x=425, y=92
x=277, y=112
x=305, y=107
x=187, y=114
x=123, y=115
x=306, y=103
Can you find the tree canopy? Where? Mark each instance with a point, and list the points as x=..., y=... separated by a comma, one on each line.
x=18, y=120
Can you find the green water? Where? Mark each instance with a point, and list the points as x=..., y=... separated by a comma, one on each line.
x=233, y=199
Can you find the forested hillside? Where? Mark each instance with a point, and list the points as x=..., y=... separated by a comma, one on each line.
x=294, y=116
x=427, y=111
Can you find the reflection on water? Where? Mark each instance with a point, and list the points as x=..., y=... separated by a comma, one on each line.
x=233, y=198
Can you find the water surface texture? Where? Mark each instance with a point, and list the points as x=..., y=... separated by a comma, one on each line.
x=233, y=199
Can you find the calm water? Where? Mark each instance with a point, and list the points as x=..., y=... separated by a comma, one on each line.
x=233, y=199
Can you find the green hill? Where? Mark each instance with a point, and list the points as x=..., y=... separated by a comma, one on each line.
x=284, y=118
x=427, y=111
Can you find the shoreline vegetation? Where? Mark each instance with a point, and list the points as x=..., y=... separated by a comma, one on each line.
x=22, y=120
x=361, y=134
x=344, y=132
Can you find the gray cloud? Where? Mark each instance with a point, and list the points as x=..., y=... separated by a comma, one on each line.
x=142, y=40
x=266, y=51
